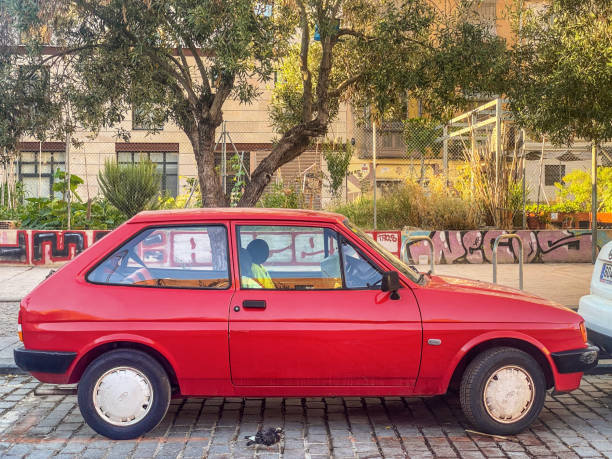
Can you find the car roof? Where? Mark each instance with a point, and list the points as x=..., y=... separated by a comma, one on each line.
x=234, y=213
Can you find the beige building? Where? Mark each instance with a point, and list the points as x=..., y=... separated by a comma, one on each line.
x=249, y=133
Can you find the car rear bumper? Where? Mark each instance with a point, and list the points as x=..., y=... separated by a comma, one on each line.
x=577, y=360
x=601, y=340
x=54, y=362
x=597, y=313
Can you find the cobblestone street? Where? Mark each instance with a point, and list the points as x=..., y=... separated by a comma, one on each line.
x=34, y=422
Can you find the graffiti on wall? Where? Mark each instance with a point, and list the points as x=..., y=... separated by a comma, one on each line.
x=37, y=247
x=14, y=247
x=42, y=247
x=390, y=240
x=57, y=246
x=545, y=246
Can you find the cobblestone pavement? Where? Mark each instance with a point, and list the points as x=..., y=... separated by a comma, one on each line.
x=573, y=425
x=8, y=318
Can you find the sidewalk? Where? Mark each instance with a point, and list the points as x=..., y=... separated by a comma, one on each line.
x=564, y=283
x=17, y=281
x=561, y=282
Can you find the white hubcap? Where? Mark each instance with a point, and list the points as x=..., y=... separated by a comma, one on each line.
x=508, y=394
x=123, y=396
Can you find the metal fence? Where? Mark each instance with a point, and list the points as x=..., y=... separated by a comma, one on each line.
x=482, y=141
x=484, y=144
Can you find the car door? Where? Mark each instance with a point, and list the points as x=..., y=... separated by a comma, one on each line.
x=316, y=325
x=170, y=286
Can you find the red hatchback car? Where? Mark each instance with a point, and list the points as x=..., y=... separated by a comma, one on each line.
x=257, y=302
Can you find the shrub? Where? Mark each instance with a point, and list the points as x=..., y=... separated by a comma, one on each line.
x=131, y=188
x=338, y=157
x=434, y=207
x=281, y=196
x=45, y=213
x=576, y=189
x=52, y=213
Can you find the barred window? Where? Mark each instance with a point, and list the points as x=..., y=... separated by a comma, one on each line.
x=36, y=171
x=553, y=173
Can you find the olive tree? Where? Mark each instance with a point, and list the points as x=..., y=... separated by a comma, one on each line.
x=183, y=59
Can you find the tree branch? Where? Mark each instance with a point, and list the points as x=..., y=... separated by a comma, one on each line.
x=194, y=51
x=223, y=90
x=306, y=75
x=161, y=62
x=353, y=33
x=345, y=84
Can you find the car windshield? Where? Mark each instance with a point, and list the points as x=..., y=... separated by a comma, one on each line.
x=408, y=270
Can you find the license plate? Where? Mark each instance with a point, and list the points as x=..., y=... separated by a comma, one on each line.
x=606, y=273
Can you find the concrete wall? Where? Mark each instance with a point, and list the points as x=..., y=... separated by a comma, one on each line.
x=47, y=247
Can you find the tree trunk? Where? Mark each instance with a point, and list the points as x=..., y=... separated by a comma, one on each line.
x=203, y=143
x=290, y=146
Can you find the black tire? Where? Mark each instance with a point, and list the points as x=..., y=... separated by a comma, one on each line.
x=142, y=363
x=474, y=382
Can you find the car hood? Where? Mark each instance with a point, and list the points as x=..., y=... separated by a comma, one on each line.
x=443, y=297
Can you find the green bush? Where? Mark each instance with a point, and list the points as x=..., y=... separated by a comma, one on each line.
x=52, y=213
x=280, y=196
x=45, y=213
x=131, y=188
x=575, y=191
x=409, y=204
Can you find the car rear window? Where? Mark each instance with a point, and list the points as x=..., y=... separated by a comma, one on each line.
x=169, y=257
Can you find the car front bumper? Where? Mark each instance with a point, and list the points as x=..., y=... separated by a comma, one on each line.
x=577, y=360
x=54, y=362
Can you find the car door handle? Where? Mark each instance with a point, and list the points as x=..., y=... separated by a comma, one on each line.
x=254, y=304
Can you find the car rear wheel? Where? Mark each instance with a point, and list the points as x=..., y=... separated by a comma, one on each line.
x=124, y=394
x=502, y=391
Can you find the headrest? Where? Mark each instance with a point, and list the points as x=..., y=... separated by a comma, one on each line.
x=259, y=250
x=245, y=261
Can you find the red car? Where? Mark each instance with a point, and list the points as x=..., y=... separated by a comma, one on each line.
x=257, y=302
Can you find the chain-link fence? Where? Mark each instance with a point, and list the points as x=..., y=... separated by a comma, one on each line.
x=482, y=156
x=479, y=155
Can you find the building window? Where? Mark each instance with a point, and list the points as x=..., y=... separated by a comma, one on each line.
x=36, y=172
x=166, y=162
x=553, y=173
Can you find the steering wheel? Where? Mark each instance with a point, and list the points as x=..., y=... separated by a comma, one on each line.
x=141, y=274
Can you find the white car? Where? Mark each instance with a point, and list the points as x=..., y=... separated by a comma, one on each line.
x=596, y=308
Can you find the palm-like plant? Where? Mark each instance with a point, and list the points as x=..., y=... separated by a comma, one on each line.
x=131, y=188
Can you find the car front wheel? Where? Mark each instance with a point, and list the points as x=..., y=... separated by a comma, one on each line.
x=124, y=394
x=502, y=391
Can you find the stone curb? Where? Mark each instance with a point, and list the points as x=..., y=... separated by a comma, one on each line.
x=11, y=370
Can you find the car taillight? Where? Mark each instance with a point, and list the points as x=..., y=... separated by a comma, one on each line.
x=19, y=330
x=583, y=331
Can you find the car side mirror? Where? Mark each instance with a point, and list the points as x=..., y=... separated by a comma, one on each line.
x=390, y=283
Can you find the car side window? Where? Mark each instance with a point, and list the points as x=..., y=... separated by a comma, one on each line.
x=288, y=258
x=359, y=272
x=171, y=257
